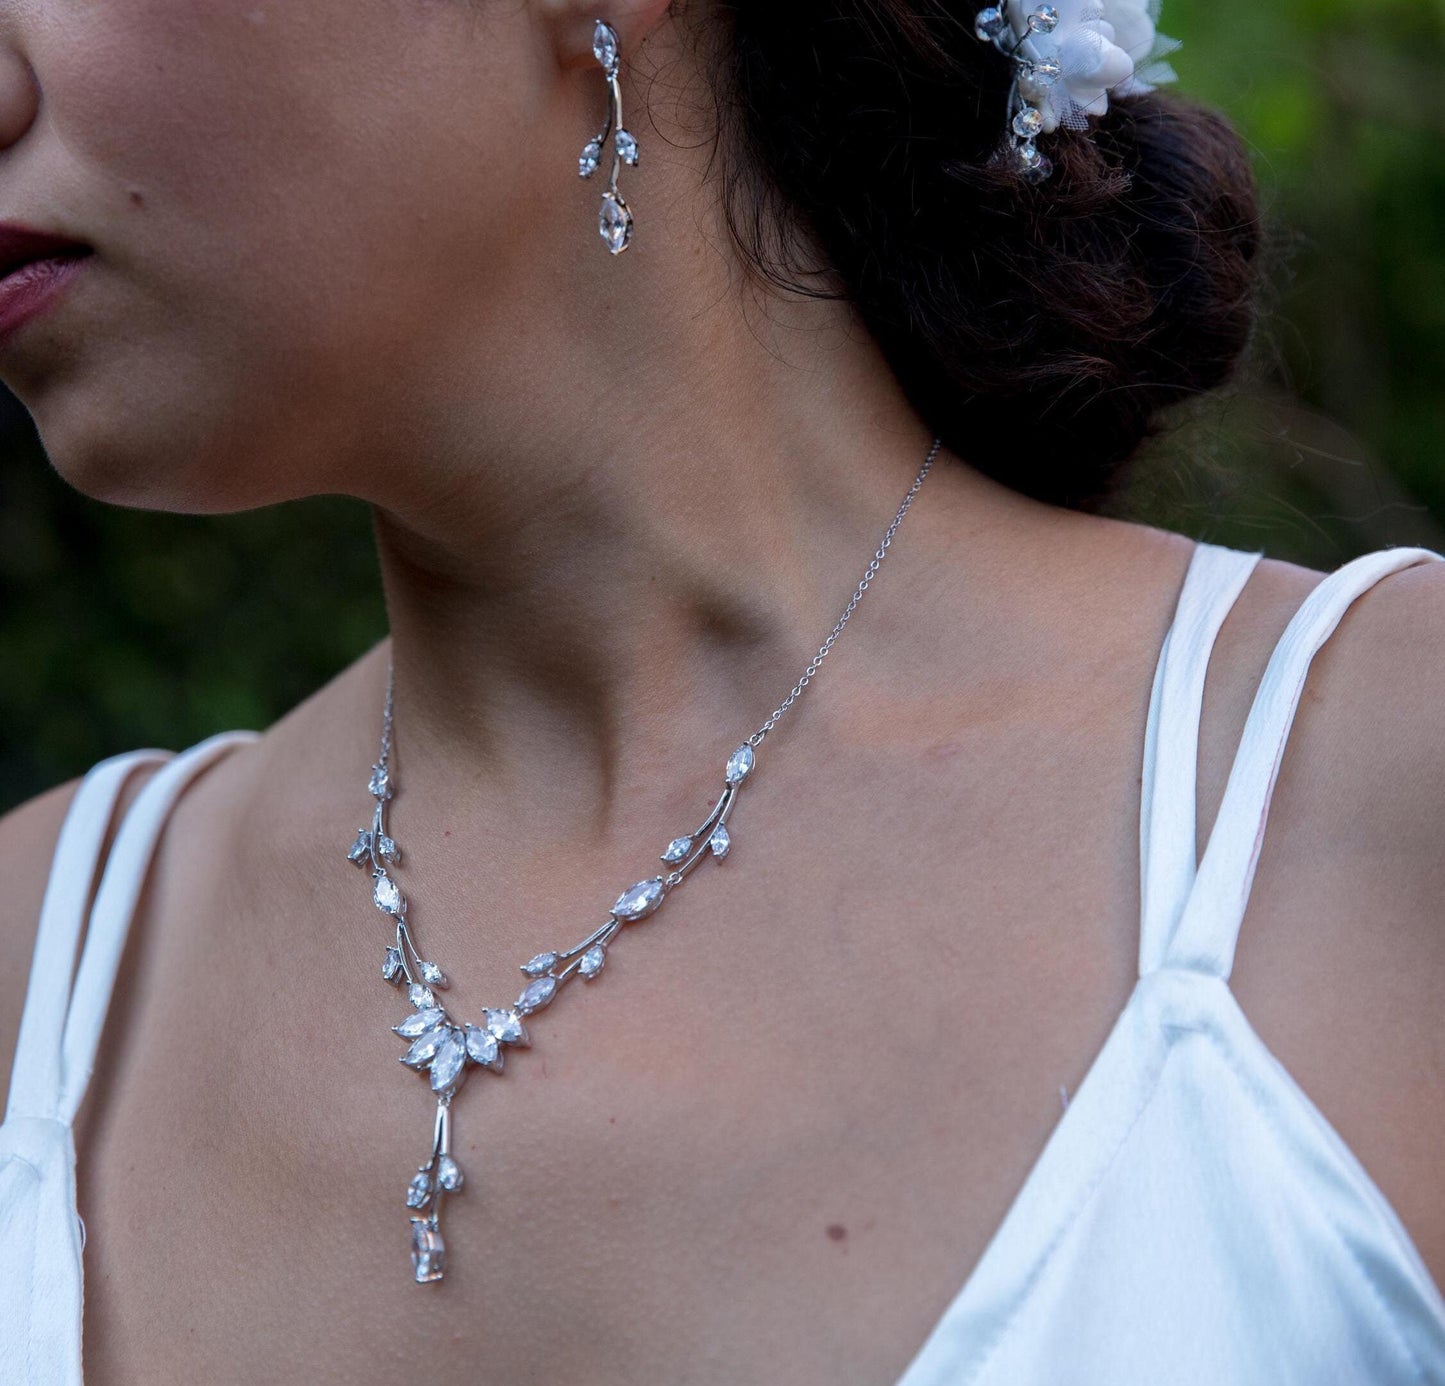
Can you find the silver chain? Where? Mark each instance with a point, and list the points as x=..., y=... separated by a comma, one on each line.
x=756, y=739
x=444, y=1045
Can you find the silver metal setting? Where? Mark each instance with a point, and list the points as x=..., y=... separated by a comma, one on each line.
x=446, y=1049
x=614, y=216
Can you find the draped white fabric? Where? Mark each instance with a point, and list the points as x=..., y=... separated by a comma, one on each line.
x=41, y=1281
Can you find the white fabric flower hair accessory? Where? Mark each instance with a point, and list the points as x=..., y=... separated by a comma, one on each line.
x=1067, y=57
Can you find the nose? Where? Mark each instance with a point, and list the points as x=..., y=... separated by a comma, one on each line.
x=19, y=94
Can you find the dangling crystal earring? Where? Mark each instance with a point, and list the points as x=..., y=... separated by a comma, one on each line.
x=614, y=220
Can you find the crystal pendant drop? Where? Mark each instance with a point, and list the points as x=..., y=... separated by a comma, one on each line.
x=391, y=964
x=449, y=1174
x=614, y=223
x=482, y=1048
x=421, y=997
x=626, y=147
x=590, y=964
x=451, y=1057
x=536, y=994
x=740, y=764
x=360, y=847
x=720, y=843
x=387, y=895
x=604, y=44
x=543, y=962
x=677, y=849
x=428, y=1251
x=639, y=899
x=587, y=160
x=433, y=975
x=420, y=1022
x=424, y=1048
x=418, y=1192
x=506, y=1026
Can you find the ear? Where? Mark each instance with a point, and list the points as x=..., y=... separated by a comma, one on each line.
x=570, y=24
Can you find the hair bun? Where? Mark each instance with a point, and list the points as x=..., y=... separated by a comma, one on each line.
x=1041, y=330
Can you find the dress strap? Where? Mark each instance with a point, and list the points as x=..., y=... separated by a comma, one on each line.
x=61, y=1024
x=1209, y=928
x=1213, y=581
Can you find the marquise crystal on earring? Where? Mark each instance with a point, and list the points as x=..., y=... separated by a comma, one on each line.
x=614, y=217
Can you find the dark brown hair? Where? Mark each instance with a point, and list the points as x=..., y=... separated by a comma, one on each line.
x=1039, y=329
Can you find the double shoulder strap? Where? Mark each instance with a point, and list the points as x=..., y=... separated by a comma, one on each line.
x=1190, y=917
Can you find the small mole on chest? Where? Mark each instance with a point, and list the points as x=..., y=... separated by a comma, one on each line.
x=837, y=1232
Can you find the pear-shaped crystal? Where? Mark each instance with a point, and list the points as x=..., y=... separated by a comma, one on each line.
x=418, y=1192
x=360, y=847
x=451, y=1055
x=587, y=160
x=536, y=994
x=419, y=1022
x=506, y=1026
x=626, y=146
x=639, y=899
x=720, y=842
x=604, y=44
x=482, y=1048
x=391, y=964
x=614, y=223
x=386, y=895
x=425, y=1046
x=449, y=1174
x=590, y=964
x=421, y=997
x=543, y=962
x=388, y=849
x=740, y=764
x=433, y=975
x=677, y=849
x=428, y=1251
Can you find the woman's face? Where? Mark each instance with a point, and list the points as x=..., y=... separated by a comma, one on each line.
x=304, y=213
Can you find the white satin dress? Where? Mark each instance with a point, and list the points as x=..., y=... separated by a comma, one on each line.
x=1193, y=1219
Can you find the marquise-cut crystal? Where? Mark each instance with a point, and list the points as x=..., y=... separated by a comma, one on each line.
x=388, y=848
x=432, y=974
x=614, y=223
x=626, y=146
x=360, y=847
x=590, y=964
x=604, y=44
x=677, y=849
x=428, y=1251
x=380, y=783
x=451, y=1055
x=449, y=1174
x=536, y=994
x=506, y=1026
x=720, y=842
x=587, y=160
x=386, y=895
x=421, y=997
x=639, y=899
x=425, y=1046
x=543, y=962
x=482, y=1048
x=740, y=764
x=418, y=1193
x=419, y=1022
x=391, y=964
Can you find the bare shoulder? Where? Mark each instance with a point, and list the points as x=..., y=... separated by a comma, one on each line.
x=28, y=835
x=1341, y=959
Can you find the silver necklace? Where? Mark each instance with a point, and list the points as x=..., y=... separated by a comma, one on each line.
x=446, y=1048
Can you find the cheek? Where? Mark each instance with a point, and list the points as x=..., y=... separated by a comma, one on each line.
x=279, y=193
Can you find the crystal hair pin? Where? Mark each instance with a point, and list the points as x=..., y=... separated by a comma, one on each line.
x=1067, y=58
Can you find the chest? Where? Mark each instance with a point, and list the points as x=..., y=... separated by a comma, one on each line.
x=780, y=1127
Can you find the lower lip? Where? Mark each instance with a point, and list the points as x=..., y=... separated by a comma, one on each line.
x=30, y=290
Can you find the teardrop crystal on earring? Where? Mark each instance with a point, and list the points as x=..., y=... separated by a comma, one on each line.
x=626, y=147
x=604, y=44
x=614, y=222
x=587, y=161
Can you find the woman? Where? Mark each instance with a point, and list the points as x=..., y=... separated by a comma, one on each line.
x=825, y=1117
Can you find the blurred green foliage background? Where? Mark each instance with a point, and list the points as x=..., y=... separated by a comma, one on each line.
x=122, y=628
